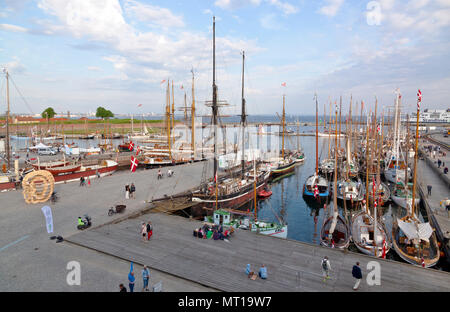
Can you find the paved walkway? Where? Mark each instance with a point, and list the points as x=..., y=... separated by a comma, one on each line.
x=30, y=261
x=426, y=175
x=292, y=265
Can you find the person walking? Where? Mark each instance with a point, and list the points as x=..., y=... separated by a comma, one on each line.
x=131, y=278
x=132, y=190
x=127, y=191
x=145, y=278
x=144, y=231
x=149, y=230
x=439, y=163
x=159, y=174
x=357, y=274
x=429, y=189
x=326, y=267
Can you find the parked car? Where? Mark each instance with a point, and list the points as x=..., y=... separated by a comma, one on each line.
x=46, y=151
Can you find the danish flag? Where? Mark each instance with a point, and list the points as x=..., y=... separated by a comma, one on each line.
x=138, y=150
x=383, y=255
x=134, y=163
x=316, y=191
x=131, y=146
x=419, y=98
x=283, y=84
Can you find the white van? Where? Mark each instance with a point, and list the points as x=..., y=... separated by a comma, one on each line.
x=46, y=151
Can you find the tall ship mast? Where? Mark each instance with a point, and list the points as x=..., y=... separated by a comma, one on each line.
x=232, y=190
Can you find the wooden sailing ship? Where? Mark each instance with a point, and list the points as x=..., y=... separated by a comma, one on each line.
x=316, y=186
x=335, y=232
x=413, y=240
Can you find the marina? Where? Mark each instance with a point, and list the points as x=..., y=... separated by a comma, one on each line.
x=231, y=186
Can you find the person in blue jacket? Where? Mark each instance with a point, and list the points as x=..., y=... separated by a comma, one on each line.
x=357, y=274
x=263, y=272
x=131, y=278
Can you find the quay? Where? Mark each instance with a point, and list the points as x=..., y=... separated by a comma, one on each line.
x=220, y=265
x=30, y=261
x=429, y=174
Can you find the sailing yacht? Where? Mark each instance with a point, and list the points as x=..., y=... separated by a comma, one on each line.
x=413, y=240
x=335, y=232
x=230, y=191
x=284, y=164
x=316, y=185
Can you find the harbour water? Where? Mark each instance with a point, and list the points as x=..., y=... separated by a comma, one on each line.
x=305, y=218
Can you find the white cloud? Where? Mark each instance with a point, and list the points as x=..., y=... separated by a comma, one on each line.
x=14, y=66
x=235, y=4
x=286, y=7
x=331, y=8
x=154, y=15
x=13, y=28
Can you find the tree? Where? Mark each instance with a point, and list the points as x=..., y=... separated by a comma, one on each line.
x=103, y=113
x=48, y=113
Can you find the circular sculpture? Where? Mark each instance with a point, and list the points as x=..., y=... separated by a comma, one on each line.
x=38, y=186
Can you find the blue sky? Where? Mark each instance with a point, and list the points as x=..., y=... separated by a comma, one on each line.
x=77, y=55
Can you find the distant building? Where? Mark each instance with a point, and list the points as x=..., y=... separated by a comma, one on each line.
x=435, y=115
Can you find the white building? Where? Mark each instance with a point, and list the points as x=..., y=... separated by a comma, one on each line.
x=432, y=115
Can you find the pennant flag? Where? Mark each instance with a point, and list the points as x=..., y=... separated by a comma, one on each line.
x=215, y=178
x=134, y=163
x=131, y=146
x=47, y=211
x=316, y=191
x=283, y=84
x=383, y=255
x=419, y=99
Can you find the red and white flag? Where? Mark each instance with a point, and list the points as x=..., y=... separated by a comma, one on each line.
x=139, y=105
x=131, y=146
x=134, y=163
x=215, y=178
x=283, y=84
x=419, y=99
x=316, y=191
x=138, y=150
x=383, y=255
x=162, y=81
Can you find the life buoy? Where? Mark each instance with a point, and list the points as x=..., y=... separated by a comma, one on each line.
x=210, y=189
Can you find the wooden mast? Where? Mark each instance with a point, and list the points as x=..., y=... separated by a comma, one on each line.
x=243, y=121
x=283, y=121
x=317, y=136
x=168, y=118
x=193, y=118
x=8, y=155
x=215, y=108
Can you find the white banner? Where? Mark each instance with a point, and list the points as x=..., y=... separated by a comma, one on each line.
x=46, y=210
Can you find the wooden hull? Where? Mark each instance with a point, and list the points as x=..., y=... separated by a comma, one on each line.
x=432, y=252
x=366, y=246
x=63, y=170
x=234, y=200
x=341, y=234
x=282, y=170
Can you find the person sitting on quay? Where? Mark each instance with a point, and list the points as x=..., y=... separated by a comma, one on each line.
x=445, y=170
x=249, y=271
x=216, y=235
x=263, y=272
